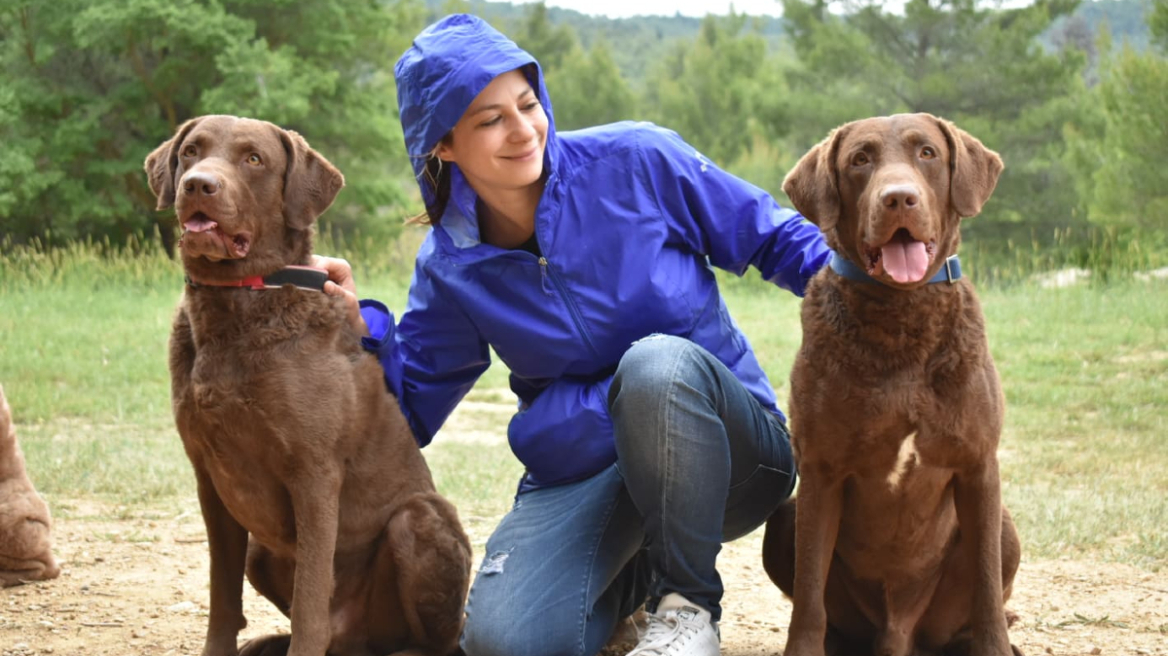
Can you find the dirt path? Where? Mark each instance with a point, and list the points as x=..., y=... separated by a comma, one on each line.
x=138, y=586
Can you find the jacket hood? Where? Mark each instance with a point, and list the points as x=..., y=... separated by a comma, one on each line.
x=441, y=73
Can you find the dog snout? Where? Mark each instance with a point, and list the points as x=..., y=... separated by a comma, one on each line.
x=902, y=197
x=202, y=183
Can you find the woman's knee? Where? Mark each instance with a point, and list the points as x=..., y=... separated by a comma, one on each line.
x=651, y=366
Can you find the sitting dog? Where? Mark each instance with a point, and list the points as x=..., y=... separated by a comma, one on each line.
x=293, y=438
x=25, y=527
x=897, y=542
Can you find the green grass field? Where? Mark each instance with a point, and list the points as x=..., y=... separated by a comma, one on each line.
x=1085, y=370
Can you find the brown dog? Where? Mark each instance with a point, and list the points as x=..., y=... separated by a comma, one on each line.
x=293, y=437
x=897, y=542
x=25, y=527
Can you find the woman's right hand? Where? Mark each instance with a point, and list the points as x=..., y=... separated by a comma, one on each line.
x=341, y=284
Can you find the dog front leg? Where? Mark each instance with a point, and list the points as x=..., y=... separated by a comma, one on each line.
x=227, y=542
x=315, y=506
x=817, y=518
x=977, y=496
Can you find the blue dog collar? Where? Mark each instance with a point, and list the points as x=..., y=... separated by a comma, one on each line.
x=949, y=273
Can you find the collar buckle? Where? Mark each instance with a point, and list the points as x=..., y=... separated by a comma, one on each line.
x=949, y=270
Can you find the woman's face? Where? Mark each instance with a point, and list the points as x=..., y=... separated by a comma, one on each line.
x=499, y=141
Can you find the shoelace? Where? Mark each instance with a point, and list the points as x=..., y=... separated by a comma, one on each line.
x=662, y=633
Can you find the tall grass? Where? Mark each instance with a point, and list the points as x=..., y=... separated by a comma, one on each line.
x=83, y=333
x=135, y=264
x=1005, y=255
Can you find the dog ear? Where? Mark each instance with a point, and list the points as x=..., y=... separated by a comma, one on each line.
x=162, y=165
x=812, y=185
x=311, y=183
x=973, y=170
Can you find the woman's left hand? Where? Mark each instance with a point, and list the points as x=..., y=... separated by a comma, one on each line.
x=341, y=284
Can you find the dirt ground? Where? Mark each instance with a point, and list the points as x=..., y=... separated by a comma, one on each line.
x=137, y=585
x=134, y=583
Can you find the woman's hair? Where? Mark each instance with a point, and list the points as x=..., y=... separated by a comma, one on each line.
x=436, y=177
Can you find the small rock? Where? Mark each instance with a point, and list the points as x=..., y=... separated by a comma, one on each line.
x=182, y=607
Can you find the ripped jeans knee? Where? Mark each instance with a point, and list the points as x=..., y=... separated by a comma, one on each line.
x=552, y=580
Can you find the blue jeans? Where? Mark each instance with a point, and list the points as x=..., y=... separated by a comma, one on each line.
x=699, y=462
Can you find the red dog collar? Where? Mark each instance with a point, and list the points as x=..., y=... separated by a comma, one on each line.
x=304, y=277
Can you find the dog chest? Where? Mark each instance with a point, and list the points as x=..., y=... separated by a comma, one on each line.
x=875, y=540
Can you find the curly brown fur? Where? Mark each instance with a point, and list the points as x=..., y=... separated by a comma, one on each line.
x=25, y=526
x=897, y=540
x=308, y=476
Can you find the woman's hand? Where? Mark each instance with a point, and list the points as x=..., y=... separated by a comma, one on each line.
x=342, y=285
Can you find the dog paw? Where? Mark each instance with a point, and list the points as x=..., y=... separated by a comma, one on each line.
x=269, y=645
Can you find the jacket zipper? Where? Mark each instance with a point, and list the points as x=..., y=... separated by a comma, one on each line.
x=547, y=273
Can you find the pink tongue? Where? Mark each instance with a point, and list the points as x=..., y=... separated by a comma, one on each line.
x=200, y=225
x=905, y=262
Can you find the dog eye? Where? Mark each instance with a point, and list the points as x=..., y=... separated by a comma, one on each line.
x=254, y=160
x=190, y=151
x=928, y=153
x=860, y=159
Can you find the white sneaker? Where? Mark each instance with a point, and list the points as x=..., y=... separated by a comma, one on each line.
x=678, y=628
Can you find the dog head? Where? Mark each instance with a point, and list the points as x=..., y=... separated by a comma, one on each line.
x=246, y=193
x=889, y=192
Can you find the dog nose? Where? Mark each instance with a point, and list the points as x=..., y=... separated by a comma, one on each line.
x=900, y=197
x=198, y=182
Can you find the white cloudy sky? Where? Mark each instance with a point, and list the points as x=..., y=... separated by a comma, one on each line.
x=698, y=8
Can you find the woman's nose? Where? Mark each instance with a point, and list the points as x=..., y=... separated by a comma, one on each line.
x=524, y=129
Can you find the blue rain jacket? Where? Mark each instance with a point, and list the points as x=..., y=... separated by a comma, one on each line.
x=630, y=221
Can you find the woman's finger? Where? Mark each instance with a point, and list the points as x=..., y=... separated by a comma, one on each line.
x=339, y=271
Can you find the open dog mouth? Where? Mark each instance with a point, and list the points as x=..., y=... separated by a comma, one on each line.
x=202, y=236
x=904, y=258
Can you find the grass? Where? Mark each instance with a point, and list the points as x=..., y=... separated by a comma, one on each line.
x=1084, y=463
x=1085, y=372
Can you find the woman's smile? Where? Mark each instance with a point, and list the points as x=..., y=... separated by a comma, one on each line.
x=525, y=156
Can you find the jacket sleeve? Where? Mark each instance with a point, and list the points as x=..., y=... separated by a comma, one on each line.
x=431, y=358
x=733, y=222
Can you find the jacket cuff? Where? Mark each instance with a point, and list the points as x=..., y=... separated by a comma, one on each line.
x=379, y=320
x=381, y=342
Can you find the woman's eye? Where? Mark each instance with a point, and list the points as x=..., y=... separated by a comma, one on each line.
x=488, y=123
x=530, y=106
x=860, y=159
x=928, y=153
x=254, y=160
x=190, y=151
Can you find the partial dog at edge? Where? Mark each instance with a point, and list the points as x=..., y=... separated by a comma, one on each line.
x=25, y=526
x=309, y=478
x=897, y=542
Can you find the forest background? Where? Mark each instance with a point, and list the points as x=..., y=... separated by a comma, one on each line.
x=1074, y=95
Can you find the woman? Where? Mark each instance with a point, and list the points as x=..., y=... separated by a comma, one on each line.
x=648, y=430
